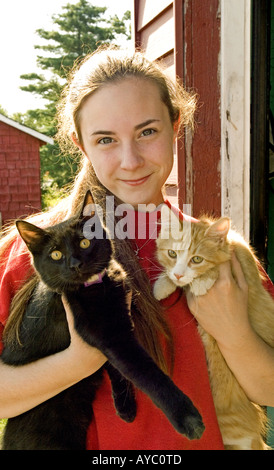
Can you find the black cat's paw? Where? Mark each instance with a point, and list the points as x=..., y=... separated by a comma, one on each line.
x=188, y=420
x=128, y=415
x=126, y=407
x=192, y=426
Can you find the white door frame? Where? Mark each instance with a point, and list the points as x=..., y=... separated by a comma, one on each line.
x=235, y=77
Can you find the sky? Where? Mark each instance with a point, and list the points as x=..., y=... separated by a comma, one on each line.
x=19, y=19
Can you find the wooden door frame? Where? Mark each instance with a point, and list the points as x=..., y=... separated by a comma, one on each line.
x=260, y=87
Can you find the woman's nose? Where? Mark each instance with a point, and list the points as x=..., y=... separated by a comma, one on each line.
x=130, y=157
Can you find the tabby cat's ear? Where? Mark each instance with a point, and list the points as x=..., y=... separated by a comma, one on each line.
x=219, y=229
x=32, y=235
x=88, y=209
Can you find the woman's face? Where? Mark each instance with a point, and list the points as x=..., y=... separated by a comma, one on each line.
x=128, y=137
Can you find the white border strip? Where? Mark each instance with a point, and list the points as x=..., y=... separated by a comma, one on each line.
x=235, y=111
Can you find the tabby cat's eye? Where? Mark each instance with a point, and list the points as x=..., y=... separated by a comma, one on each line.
x=172, y=254
x=85, y=243
x=197, y=259
x=56, y=255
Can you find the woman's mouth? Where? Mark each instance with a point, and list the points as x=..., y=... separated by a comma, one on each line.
x=136, y=182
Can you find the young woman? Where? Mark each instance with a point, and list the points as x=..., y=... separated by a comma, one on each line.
x=123, y=114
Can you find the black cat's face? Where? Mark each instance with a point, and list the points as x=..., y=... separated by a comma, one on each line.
x=62, y=255
x=68, y=259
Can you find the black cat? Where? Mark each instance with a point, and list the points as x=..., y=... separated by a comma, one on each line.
x=69, y=263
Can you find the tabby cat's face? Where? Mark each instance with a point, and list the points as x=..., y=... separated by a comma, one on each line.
x=191, y=250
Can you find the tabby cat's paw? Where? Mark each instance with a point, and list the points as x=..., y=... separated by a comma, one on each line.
x=163, y=287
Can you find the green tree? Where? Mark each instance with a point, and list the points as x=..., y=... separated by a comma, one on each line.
x=3, y=111
x=80, y=29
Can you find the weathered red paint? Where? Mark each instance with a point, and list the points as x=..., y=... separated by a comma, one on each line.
x=202, y=39
x=20, y=192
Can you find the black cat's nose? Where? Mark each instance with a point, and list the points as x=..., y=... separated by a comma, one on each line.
x=74, y=263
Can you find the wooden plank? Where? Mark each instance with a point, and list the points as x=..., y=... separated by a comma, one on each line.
x=178, y=12
x=235, y=112
x=157, y=39
x=149, y=9
x=201, y=65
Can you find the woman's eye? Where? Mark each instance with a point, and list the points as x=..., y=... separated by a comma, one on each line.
x=56, y=255
x=85, y=243
x=147, y=132
x=105, y=140
x=197, y=259
x=172, y=254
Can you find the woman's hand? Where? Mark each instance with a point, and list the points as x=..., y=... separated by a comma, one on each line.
x=24, y=387
x=89, y=359
x=222, y=311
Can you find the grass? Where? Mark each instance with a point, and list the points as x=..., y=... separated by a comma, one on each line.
x=2, y=425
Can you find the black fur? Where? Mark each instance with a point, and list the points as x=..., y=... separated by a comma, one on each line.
x=102, y=319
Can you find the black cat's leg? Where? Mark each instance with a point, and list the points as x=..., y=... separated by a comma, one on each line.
x=111, y=332
x=135, y=364
x=123, y=394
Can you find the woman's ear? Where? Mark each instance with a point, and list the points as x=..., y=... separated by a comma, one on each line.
x=75, y=140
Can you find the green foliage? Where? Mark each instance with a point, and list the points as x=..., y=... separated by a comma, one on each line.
x=2, y=427
x=3, y=111
x=51, y=193
x=78, y=35
x=79, y=29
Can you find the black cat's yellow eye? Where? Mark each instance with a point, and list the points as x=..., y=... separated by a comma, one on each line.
x=197, y=259
x=56, y=255
x=85, y=243
x=172, y=254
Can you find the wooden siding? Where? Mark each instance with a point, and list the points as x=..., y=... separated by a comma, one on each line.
x=20, y=193
x=201, y=73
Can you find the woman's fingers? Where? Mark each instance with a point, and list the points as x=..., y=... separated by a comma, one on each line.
x=231, y=272
x=238, y=272
x=225, y=271
x=90, y=358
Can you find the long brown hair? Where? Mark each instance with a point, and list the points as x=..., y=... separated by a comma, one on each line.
x=99, y=68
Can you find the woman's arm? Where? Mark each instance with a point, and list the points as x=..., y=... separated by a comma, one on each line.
x=222, y=312
x=24, y=387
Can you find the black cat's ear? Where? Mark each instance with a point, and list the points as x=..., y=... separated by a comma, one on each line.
x=32, y=235
x=88, y=209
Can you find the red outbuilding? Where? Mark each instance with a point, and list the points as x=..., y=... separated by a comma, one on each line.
x=20, y=189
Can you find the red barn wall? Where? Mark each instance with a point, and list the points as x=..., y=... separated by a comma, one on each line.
x=202, y=44
x=20, y=192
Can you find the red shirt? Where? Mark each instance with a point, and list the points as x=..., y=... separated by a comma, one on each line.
x=150, y=430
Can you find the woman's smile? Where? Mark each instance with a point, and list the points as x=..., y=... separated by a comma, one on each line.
x=136, y=182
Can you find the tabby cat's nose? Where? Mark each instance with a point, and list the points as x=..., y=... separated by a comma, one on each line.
x=178, y=276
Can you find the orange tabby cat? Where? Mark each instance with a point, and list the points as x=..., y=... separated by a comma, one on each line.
x=190, y=254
